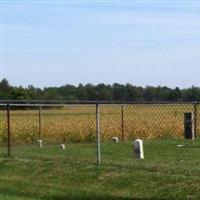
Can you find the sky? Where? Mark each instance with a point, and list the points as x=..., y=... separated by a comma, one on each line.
x=53, y=43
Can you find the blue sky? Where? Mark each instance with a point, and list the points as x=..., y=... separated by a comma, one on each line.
x=52, y=43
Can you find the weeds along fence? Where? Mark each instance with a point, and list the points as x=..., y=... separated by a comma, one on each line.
x=84, y=131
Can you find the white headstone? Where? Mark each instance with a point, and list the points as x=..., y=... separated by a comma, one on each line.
x=138, y=149
x=40, y=143
x=62, y=146
x=115, y=139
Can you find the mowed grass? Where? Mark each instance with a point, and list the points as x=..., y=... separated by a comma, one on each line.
x=167, y=172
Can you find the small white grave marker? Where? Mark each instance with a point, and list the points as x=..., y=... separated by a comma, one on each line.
x=138, y=149
x=39, y=143
x=62, y=146
x=115, y=139
x=180, y=145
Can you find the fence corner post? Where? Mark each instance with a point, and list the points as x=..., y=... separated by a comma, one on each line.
x=40, y=123
x=195, y=118
x=98, y=142
x=122, y=123
x=8, y=130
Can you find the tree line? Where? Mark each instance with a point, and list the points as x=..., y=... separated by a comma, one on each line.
x=100, y=92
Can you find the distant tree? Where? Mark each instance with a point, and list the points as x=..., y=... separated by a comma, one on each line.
x=119, y=92
x=5, y=89
x=191, y=94
x=81, y=93
x=51, y=93
x=149, y=93
x=19, y=93
x=91, y=92
x=101, y=91
x=33, y=93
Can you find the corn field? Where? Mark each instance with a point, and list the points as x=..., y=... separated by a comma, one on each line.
x=76, y=123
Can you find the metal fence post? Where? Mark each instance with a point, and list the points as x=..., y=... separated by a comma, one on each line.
x=8, y=131
x=195, y=119
x=40, y=123
x=98, y=135
x=122, y=122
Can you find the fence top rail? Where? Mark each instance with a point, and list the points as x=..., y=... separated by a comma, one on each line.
x=54, y=103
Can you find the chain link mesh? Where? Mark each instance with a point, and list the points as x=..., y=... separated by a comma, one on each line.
x=69, y=132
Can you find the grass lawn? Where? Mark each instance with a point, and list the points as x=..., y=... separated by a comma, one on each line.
x=167, y=172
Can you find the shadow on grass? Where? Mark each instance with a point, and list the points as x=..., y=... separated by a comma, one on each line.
x=104, y=197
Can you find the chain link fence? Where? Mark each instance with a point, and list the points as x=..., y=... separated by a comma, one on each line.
x=102, y=132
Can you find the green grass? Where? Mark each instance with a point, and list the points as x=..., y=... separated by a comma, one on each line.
x=167, y=172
